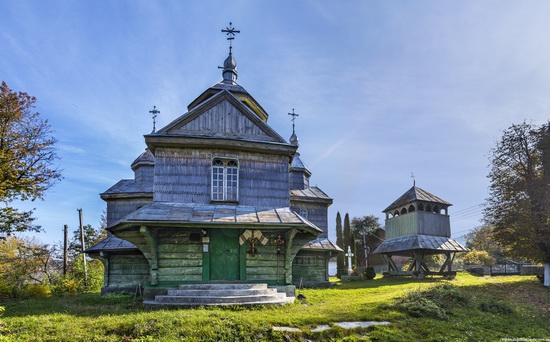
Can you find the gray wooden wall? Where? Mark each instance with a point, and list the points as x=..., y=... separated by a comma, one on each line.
x=120, y=207
x=418, y=222
x=184, y=175
x=127, y=270
x=317, y=214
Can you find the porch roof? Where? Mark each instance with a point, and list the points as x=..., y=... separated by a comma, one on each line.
x=420, y=242
x=214, y=214
x=323, y=244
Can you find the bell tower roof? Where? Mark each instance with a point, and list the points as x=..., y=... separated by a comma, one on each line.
x=416, y=194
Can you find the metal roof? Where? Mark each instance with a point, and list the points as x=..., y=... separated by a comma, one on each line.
x=168, y=212
x=111, y=243
x=416, y=194
x=420, y=242
x=129, y=186
x=298, y=165
x=322, y=244
x=312, y=192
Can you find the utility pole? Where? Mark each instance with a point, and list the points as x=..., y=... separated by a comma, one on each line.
x=83, y=246
x=65, y=249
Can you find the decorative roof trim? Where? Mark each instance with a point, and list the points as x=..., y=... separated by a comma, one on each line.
x=416, y=194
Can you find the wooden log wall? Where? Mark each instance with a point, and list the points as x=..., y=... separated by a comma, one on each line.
x=184, y=175
x=180, y=259
x=418, y=222
x=266, y=266
x=127, y=270
x=310, y=266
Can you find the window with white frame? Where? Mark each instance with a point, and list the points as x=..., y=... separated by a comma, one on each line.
x=225, y=180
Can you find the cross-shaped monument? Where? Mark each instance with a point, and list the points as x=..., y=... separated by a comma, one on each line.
x=349, y=254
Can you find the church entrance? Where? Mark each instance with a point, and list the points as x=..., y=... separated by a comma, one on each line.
x=224, y=254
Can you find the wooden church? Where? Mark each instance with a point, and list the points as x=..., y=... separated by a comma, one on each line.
x=417, y=226
x=217, y=197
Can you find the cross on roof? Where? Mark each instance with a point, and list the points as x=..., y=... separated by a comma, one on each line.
x=294, y=115
x=154, y=112
x=414, y=180
x=230, y=32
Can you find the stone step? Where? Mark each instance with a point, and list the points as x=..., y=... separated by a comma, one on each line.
x=222, y=286
x=221, y=293
x=216, y=299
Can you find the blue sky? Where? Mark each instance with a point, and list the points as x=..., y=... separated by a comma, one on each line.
x=383, y=88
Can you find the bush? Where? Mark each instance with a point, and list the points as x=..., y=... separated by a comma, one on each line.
x=496, y=307
x=35, y=291
x=5, y=290
x=2, y=310
x=540, y=277
x=435, y=302
x=67, y=285
x=370, y=273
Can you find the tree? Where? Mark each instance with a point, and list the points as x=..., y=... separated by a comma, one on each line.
x=340, y=263
x=481, y=239
x=519, y=203
x=27, y=155
x=362, y=228
x=91, y=237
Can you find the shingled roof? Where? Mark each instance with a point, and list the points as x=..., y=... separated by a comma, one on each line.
x=416, y=194
x=420, y=242
x=313, y=193
x=183, y=213
x=322, y=244
x=111, y=243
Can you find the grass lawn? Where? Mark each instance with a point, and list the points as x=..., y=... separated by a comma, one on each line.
x=470, y=309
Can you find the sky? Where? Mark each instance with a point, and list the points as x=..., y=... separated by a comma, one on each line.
x=383, y=89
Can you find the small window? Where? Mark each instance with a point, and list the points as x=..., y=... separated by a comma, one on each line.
x=225, y=180
x=304, y=213
x=411, y=208
x=403, y=211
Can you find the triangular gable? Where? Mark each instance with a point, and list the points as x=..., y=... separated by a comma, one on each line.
x=222, y=116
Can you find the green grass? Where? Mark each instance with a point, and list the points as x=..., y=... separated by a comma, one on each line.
x=475, y=309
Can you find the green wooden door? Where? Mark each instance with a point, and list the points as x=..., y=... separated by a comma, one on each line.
x=224, y=255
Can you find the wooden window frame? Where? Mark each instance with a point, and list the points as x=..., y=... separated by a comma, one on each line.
x=224, y=180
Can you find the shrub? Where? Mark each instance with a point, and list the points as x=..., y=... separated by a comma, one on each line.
x=496, y=307
x=35, y=291
x=5, y=290
x=481, y=258
x=67, y=285
x=540, y=277
x=370, y=273
x=423, y=307
x=2, y=310
x=435, y=302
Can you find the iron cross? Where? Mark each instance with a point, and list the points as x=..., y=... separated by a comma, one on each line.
x=294, y=115
x=230, y=32
x=154, y=112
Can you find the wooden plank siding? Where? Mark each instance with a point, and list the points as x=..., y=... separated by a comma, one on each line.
x=119, y=208
x=184, y=175
x=223, y=120
x=418, y=222
x=316, y=214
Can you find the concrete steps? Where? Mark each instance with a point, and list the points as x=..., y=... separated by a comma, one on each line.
x=220, y=294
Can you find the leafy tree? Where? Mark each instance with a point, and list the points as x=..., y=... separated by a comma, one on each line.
x=340, y=263
x=362, y=229
x=476, y=257
x=24, y=262
x=519, y=203
x=481, y=239
x=91, y=237
x=27, y=156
